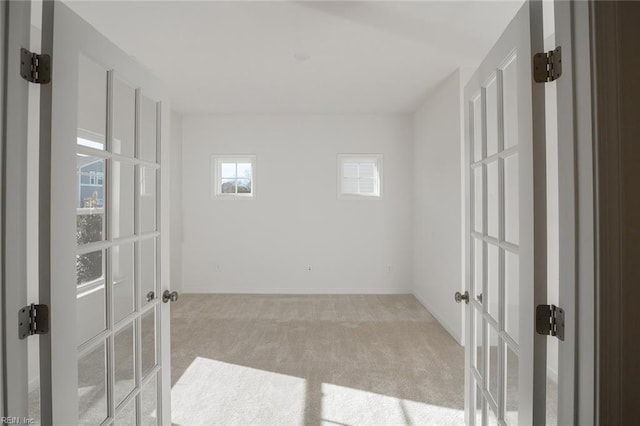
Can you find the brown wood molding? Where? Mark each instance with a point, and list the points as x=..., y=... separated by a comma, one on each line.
x=616, y=44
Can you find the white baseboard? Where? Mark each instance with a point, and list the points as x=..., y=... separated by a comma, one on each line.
x=455, y=334
x=202, y=289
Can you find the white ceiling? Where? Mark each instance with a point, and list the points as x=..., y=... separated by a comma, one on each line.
x=239, y=56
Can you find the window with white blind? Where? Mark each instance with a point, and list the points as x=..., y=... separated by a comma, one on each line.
x=359, y=176
x=233, y=176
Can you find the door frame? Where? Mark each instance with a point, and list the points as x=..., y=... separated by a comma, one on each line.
x=617, y=244
x=576, y=387
x=16, y=28
x=3, y=55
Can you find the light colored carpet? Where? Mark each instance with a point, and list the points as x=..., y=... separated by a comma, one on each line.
x=309, y=360
x=297, y=360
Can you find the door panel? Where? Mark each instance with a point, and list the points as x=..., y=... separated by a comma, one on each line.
x=148, y=129
x=124, y=340
x=148, y=401
x=501, y=365
x=478, y=402
x=511, y=395
x=124, y=124
x=109, y=335
x=92, y=385
x=148, y=270
x=490, y=97
x=123, y=186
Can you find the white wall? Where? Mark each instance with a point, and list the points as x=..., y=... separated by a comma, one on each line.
x=175, y=195
x=264, y=245
x=437, y=217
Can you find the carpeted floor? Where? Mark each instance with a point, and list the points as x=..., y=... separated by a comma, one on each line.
x=294, y=360
x=255, y=360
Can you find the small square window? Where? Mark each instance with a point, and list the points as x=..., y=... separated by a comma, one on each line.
x=233, y=176
x=360, y=176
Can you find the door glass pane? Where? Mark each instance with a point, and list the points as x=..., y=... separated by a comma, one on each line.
x=90, y=200
x=92, y=384
x=148, y=278
x=148, y=344
x=148, y=130
x=477, y=342
x=124, y=119
x=124, y=359
x=477, y=199
x=477, y=414
x=149, y=403
x=122, y=259
x=493, y=277
x=478, y=246
x=491, y=417
x=127, y=416
x=512, y=294
x=92, y=104
x=492, y=199
x=147, y=199
x=90, y=268
x=91, y=295
x=492, y=357
x=492, y=116
x=511, y=206
x=511, y=392
x=122, y=181
x=477, y=129
x=510, y=99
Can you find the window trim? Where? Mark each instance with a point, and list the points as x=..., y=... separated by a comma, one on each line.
x=360, y=158
x=216, y=176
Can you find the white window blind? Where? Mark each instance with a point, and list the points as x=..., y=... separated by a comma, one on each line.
x=360, y=175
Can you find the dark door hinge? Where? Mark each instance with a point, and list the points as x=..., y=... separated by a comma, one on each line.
x=33, y=319
x=35, y=68
x=547, y=66
x=550, y=321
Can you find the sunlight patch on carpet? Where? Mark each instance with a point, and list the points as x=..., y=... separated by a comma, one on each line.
x=346, y=406
x=217, y=393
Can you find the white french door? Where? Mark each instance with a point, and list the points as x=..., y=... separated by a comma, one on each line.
x=506, y=230
x=104, y=133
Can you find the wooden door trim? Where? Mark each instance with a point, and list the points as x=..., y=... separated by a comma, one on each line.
x=616, y=37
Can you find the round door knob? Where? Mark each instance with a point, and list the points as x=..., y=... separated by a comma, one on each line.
x=169, y=296
x=150, y=296
x=460, y=297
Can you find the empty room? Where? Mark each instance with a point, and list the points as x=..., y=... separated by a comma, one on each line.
x=315, y=212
